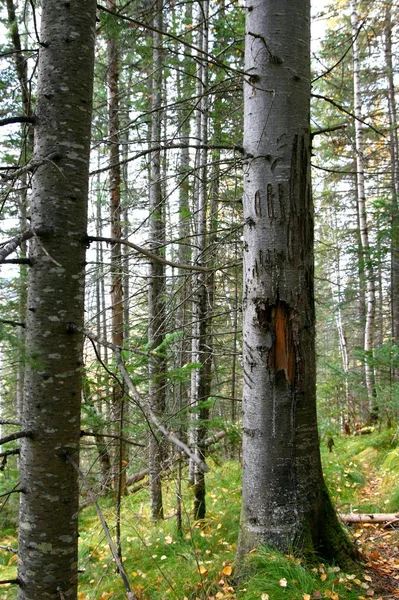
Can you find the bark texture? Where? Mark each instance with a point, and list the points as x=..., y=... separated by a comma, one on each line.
x=285, y=504
x=48, y=522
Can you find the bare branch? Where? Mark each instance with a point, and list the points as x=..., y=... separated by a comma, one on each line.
x=13, y=244
x=142, y=401
x=114, y=551
x=31, y=166
x=153, y=417
x=13, y=323
x=6, y=422
x=149, y=254
x=12, y=581
x=15, y=436
x=18, y=119
x=327, y=130
x=9, y=549
x=347, y=112
x=114, y=437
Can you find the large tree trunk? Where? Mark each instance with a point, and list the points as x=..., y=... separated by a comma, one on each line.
x=285, y=503
x=48, y=532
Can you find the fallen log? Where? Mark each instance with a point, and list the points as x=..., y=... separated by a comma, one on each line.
x=369, y=517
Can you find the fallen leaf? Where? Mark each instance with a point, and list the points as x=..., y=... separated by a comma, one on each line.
x=264, y=597
x=203, y=570
x=168, y=539
x=227, y=570
x=283, y=582
x=306, y=597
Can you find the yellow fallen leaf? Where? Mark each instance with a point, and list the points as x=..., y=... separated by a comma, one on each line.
x=203, y=570
x=168, y=539
x=306, y=597
x=283, y=582
x=227, y=570
x=264, y=597
x=323, y=576
x=106, y=596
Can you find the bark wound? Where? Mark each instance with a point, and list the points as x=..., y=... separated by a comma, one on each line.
x=277, y=319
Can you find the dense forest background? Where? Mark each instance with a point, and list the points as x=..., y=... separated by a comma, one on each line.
x=165, y=235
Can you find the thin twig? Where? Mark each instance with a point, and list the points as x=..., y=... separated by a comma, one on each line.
x=12, y=581
x=114, y=437
x=9, y=549
x=347, y=112
x=111, y=544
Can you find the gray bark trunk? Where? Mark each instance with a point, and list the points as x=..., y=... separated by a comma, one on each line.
x=284, y=500
x=363, y=225
x=156, y=288
x=394, y=150
x=48, y=531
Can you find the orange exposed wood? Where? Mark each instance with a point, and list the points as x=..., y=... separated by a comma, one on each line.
x=284, y=351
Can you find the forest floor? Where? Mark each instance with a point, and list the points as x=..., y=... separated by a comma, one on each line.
x=197, y=563
x=379, y=546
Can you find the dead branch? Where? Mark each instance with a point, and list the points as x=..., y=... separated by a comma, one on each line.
x=13, y=244
x=149, y=254
x=369, y=517
x=13, y=323
x=17, y=119
x=9, y=549
x=12, y=581
x=15, y=436
x=112, y=547
x=6, y=422
x=114, y=437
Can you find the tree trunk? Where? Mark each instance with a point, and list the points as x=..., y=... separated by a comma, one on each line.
x=48, y=532
x=200, y=381
x=116, y=252
x=285, y=504
x=363, y=225
x=394, y=151
x=156, y=287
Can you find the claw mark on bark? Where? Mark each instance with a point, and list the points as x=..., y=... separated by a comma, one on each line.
x=258, y=204
x=281, y=200
x=270, y=201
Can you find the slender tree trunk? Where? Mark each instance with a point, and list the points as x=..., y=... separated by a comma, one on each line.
x=21, y=67
x=116, y=252
x=285, y=503
x=394, y=151
x=48, y=532
x=200, y=381
x=156, y=288
x=363, y=225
